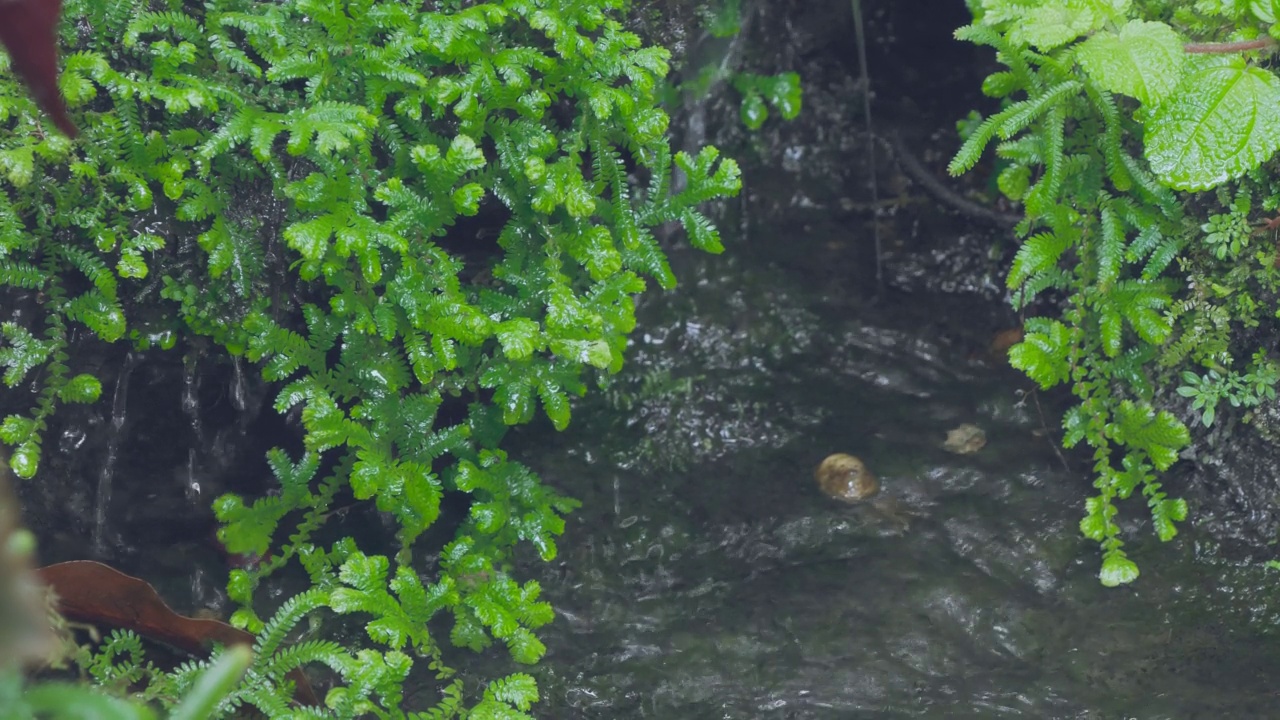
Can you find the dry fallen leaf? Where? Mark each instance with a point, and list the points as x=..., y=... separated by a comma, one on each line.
x=1002, y=341
x=966, y=439
x=90, y=592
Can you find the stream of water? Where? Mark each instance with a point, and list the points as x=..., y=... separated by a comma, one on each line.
x=707, y=577
x=106, y=474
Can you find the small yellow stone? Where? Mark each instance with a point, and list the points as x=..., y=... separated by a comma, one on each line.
x=846, y=478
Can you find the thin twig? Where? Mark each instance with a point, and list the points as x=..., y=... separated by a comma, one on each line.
x=1230, y=47
x=1044, y=425
x=1035, y=397
x=916, y=171
x=861, y=37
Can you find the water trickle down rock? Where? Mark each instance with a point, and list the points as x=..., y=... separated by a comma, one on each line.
x=115, y=432
x=191, y=408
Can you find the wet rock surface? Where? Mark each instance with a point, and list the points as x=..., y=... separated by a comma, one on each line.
x=733, y=588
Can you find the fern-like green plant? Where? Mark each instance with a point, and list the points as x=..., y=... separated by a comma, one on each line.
x=56, y=700
x=1108, y=110
x=370, y=679
x=301, y=183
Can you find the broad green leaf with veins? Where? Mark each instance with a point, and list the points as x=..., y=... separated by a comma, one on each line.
x=1223, y=121
x=1106, y=231
x=1144, y=60
x=1047, y=24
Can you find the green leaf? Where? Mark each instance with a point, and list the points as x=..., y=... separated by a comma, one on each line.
x=489, y=517
x=1159, y=434
x=246, y=619
x=221, y=246
x=754, y=111
x=519, y=337
x=1110, y=331
x=311, y=238
x=1037, y=254
x=1142, y=304
x=702, y=233
x=1094, y=524
x=1117, y=570
x=1075, y=423
x=25, y=460
x=1143, y=60
x=20, y=274
x=1018, y=116
x=247, y=530
x=1164, y=513
x=1009, y=122
x=16, y=428
x=83, y=388
x=591, y=352
x=214, y=684
x=516, y=401
x=420, y=496
x=466, y=199
x=368, y=476
x=556, y=404
x=464, y=155
x=999, y=84
x=1052, y=23
x=1014, y=181
x=1221, y=122
x=240, y=587
x=595, y=249
x=525, y=647
x=131, y=265
x=103, y=317
x=1042, y=354
x=333, y=125
x=1110, y=248
x=785, y=94
x=366, y=572
x=578, y=200
x=518, y=690
x=18, y=164
x=24, y=353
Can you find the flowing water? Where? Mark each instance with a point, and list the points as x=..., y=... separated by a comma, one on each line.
x=707, y=577
x=191, y=409
x=114, y=435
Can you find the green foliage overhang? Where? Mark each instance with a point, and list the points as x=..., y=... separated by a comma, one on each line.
x=225, y=140
x=1114, y=114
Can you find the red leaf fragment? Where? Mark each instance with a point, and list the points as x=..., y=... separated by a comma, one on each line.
x=28, y=30
x=90, y=592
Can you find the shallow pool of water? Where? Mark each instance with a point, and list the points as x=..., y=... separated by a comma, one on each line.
x=707, y=577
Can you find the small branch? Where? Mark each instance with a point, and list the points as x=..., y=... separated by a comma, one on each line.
x=861, y=37
x=1044, y=425
x=1230, y=47
x=912, y=168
